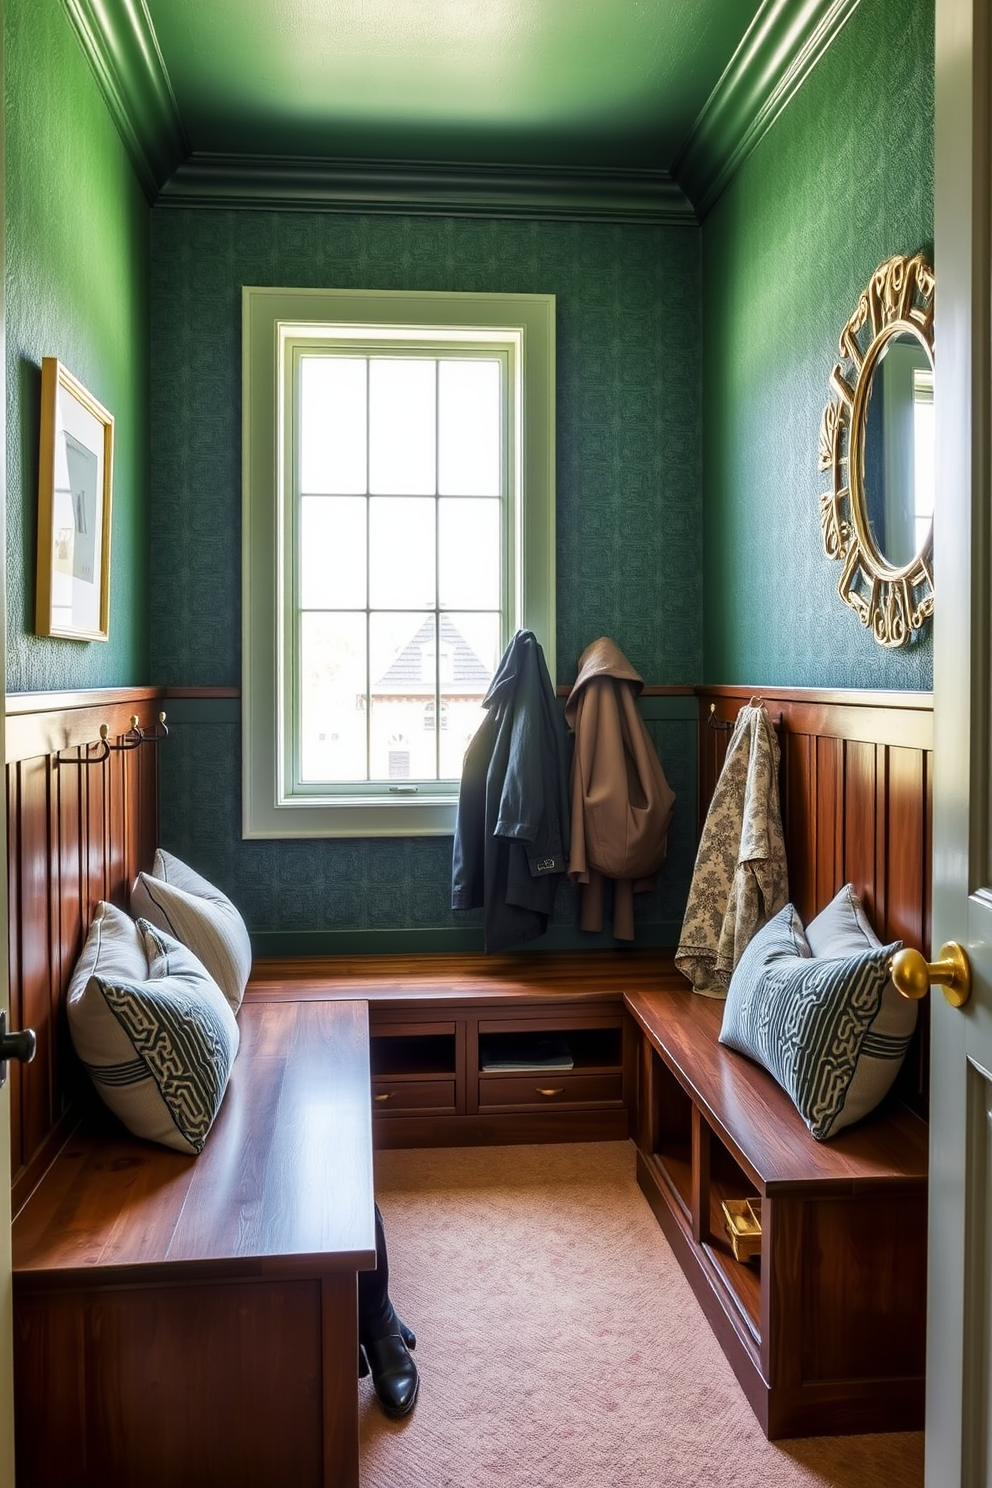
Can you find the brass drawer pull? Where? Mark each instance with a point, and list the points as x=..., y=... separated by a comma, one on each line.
x=550, y=1090
x=384, y=1097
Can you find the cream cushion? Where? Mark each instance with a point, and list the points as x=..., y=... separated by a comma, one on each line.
x=154, y=1031
x=177, y=899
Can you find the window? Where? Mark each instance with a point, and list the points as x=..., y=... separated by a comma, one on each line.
x=398, y=527
x=924, y=479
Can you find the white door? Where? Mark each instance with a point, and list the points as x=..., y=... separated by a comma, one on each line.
x=959, y=1351
x=6, y=1329
x=6, y=1333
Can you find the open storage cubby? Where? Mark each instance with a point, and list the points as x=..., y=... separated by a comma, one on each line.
x=593, y=1082
x=414, y=1068
x=414, y=1056
x=727, y=1180
x=539, y=1049
x=825, y=1327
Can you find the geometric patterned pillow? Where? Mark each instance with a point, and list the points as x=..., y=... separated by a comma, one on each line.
x=811, y=1022
x=158, y=1047
x=843, y=929
x=178, y=900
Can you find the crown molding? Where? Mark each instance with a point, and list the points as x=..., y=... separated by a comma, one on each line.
x=783, y=43
x=119, y=42
x=287, y=182
x=781, y=47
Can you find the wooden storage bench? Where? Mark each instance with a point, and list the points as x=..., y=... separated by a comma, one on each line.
x=193, y=1321
x=431, y=1016
x=826, y=1330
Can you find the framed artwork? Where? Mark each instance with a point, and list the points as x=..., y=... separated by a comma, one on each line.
x=75, y=485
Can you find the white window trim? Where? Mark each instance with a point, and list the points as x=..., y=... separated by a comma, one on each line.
x=268, y=316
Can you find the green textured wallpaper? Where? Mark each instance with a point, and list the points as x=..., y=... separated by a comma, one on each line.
x=628, y=504
x=379, y=894
x=843, y=180
x=628, y=411
x=77, y=288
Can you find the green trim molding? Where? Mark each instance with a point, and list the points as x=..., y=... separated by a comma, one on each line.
x=783, y=44
x=274, y=183
x=119, y=42
x=282, y=944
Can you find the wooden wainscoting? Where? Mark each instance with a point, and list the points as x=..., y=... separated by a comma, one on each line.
x=856, y=790
x=76, y=833
x=856, y=795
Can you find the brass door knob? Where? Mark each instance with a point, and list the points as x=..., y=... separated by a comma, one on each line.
x=914, y=976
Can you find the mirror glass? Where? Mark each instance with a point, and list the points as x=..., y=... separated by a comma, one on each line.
x=898, y=450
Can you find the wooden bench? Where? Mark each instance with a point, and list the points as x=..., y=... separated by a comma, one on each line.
x=826, y=1331
x=113, y=1255
x=430, y=1019
x=194, y=1320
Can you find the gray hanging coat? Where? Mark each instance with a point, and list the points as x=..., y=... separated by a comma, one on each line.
x=511, y=830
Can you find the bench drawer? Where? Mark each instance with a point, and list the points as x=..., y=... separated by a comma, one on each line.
x=412, y=1095
x=549, y=1088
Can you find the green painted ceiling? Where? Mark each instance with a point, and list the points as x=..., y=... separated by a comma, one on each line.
x=573, y=83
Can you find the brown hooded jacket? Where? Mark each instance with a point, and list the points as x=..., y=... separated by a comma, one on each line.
x=621, y=802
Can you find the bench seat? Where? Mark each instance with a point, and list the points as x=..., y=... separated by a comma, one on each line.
x=194, y=1320
x=826, y=1329
x=433, y=1019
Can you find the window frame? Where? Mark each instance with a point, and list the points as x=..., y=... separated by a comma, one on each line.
x=271, y=318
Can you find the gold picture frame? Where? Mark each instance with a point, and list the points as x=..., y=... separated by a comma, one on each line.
x=75, y=488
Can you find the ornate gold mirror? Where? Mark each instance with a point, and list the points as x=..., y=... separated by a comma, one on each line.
x=876, y=440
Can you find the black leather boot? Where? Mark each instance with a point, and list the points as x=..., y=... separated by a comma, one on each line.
x=394, y=1374
x=407, y=1334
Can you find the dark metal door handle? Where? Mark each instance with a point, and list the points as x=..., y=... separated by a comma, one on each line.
x=22, y=1046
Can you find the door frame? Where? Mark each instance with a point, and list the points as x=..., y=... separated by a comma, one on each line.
x=6, y=1293
x=956, y=1443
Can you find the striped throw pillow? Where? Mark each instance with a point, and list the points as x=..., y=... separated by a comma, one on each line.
x=819, y=1025
x=158, y=1044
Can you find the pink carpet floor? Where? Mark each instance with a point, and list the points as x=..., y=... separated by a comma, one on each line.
x=560, y=1346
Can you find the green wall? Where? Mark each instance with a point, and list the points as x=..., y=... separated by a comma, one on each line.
x=843, y=180
x=688, y=489
x=628, y=528
x=77, y=289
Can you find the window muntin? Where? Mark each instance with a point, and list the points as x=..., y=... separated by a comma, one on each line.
x=408, y=503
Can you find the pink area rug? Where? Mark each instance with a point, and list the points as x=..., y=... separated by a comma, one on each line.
x=560, y=1346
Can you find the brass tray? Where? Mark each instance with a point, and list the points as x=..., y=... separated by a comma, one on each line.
x=743, y=1220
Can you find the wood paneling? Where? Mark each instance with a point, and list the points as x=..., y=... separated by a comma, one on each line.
x=76, y=833
x=856, y=788
x=211, y=1362
x=855, y=780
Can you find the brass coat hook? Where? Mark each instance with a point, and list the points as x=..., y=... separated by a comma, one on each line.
x=97, y=752
x=136, y=735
